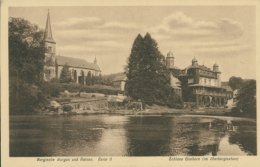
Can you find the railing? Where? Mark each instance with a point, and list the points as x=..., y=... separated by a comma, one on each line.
x=210, y=93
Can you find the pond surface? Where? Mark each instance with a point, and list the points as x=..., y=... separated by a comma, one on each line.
x=108, y=135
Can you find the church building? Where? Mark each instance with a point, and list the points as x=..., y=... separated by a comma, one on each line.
x=79, y=68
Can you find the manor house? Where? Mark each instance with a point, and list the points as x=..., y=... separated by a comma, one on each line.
x=199, y=84
x=79, y=68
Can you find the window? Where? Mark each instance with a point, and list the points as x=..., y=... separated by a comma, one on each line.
x=209, y=81
x=205, y=81
x=49, y=49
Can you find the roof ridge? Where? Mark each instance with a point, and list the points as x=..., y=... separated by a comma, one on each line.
x=71, y=57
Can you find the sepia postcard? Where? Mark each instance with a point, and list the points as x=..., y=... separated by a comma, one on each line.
x=129, y=83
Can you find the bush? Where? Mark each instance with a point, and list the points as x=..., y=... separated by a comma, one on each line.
x=131, y=105
x=71, y=87
x=174, y=101
x=51, y=88
x=25, y=98
x=128, y=99
x=67, y=108
x=235, y=111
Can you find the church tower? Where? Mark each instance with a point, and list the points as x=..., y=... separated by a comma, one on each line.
x=49, y=69
x=50, y=43
x=170, y=60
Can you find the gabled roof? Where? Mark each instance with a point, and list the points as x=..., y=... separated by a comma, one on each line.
x=202, y=67
x=120, y=78
x=76, y=62
x=95, y=66
x=228, y=88
x=205, y=68
x=175, y=67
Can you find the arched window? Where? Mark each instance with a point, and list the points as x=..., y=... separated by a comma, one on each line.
x=75, y=76
x=81, y=73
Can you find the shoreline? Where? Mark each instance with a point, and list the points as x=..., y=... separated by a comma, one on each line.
x=172, y=112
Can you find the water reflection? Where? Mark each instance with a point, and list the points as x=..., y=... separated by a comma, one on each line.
x=104, y=135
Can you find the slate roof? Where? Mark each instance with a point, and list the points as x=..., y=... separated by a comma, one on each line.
x=95, y=66
x=199, y=66
x=120, y=78
x=76, y=62
x=228, y=88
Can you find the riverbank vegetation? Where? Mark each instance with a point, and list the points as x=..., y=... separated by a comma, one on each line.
x=26, y=62
x=246, y=101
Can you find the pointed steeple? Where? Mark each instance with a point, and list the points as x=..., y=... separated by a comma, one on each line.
x=48, y=34
x=95, y=61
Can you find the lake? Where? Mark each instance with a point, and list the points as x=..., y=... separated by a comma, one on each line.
x=116, y=135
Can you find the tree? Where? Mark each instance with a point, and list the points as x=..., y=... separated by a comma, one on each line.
x=247, y=99
x=65, y=76
x=108, y=82
x=26, y=51
x=132, y=68
x=148, y=77
x=96, y=80
x=88, y=79
x=67, y=108
x=235, y=82
x=26, y=61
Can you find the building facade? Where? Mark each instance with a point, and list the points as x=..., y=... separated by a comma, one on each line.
x=174, y=73
x=202, y=85
x=120, y=82
x=79, y=68
x=198, y=83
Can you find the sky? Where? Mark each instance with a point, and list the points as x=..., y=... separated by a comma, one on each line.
x=222, y=34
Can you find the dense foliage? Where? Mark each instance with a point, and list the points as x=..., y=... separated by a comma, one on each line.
x=148, y=77
x=65, y=76
x=26, y=62
x=88, y=79
x=235, y=82
x=247, y=99
x=67, y=108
